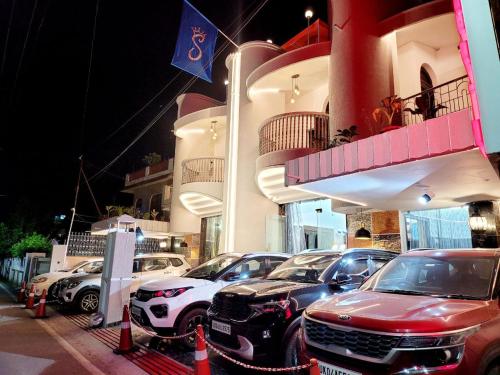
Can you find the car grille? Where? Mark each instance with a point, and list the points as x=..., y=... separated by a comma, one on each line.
x=361, y=343
x=230, y=306
x=144, y=295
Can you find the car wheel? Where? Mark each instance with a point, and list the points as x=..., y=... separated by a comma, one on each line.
x=189, y=323
x=291, y=350
x=50, y=297
x=494, y=369
x=88, y=302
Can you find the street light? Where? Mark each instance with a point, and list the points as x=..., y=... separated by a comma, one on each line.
x=308, y=14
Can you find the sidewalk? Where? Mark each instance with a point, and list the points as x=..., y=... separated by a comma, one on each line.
x=51, y=346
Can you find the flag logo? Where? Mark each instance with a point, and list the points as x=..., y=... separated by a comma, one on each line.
x=194, y=51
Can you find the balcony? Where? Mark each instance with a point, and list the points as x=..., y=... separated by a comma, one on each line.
x=286, y=137
x=201, y=185
x=150, y=173
x=452, y=96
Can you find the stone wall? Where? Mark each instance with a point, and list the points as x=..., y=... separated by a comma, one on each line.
x=383, y=226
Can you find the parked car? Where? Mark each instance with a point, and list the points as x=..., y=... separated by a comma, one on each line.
x=260, y=319
x=83, y=291
x=177, y=304
x=48, y=280
x=429, y=311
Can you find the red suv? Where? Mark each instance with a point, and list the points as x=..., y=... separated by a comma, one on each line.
x=425, y=312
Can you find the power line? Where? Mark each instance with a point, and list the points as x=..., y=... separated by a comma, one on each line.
x=136, y=113
x=91, y=193
x=23, y=51
x=172, y=102
x=89, y=73
x=7, y=37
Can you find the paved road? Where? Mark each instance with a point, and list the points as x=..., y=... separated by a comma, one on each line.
x=51, y=346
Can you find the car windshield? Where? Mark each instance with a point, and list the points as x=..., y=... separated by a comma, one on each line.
x=443, y=277
x=209, y=270
x=303, y=268
x=75, y=267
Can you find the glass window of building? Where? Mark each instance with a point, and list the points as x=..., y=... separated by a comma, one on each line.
x=444, y=228
x=313, y=225
x=210, y=236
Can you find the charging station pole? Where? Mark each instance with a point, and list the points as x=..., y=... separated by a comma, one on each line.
x=117, y=271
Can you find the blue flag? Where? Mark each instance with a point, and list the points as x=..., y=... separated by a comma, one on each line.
x=195, y=46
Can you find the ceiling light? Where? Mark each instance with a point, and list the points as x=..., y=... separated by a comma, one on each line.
x=425, y=198
x=163, y=244
x=292, y=100
x=295, y=87
x=477, y=222
x=226, y=82
x=296, y=90
x=309, y=13
x=269, y=41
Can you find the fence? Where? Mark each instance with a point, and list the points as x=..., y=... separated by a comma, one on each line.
x=437, y=101
x=203, y=170
x=294, y=130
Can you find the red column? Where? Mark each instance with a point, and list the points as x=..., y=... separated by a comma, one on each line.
x=360, y=64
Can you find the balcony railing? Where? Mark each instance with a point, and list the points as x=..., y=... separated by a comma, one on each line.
x=293, y=131
x=203, y=170
x=437, y=101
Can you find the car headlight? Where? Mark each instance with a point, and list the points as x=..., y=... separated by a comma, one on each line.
x=169, y=293
x=73, y=284
x=39, y=280
x=436, y=341
x=271, y=306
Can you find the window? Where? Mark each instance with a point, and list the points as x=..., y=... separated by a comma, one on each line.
x=94, y=267
x=275, y=262
x=136, y=266
x=355, y=269
x=251, y=268
x=154, y=264
x=176, y=262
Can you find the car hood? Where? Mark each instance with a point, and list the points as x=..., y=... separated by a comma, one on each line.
x=174, y=282
x=54, y=275
x=262, y=288
x=85, y=277
x=399, y=313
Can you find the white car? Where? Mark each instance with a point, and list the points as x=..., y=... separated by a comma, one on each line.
x=48, y=280
x=83, y=291
x=175, y=305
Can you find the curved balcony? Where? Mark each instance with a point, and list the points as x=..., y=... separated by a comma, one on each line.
x=286, y=137
x=201, y=185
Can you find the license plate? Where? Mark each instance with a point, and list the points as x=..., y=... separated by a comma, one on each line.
x=328, y=369
x=221, y=327
x=136, y=312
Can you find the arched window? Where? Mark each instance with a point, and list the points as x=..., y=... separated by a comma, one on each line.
x=426, y=103
x=425, y=79
x=155, y=205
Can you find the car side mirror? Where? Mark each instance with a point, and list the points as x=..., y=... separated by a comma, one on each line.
x=231, y=276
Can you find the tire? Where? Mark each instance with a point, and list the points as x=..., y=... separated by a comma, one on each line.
x=189, y=322
x=88, y=301
x=291, y=350
x=494, y=369
x=50, y=297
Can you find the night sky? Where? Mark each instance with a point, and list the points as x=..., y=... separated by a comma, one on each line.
x=41, y=111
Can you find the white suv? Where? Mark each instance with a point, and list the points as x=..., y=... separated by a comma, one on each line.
x=48, y=280
x=177, y=304
x=83, y=291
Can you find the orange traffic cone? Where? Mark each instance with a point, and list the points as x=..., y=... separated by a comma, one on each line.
x=126, y=343
x=20, y=294
x=31, y=298
x=40, y=311
x=201, y=365
x=314, y=367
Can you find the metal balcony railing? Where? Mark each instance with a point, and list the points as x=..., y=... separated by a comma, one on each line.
x=293, y=131
x=203, y=170
x=437, y=101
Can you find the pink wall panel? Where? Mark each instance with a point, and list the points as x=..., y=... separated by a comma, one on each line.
x=438, y=133
x=302, y=171
x=461, y=135
x=399, y=145
x=417, y=141
x=313, y=162
x=381, y=150
x=365, y=153
x=338, y=161
x=351, y=157
x=325, y=163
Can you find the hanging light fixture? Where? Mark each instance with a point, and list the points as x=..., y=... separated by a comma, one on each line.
x=363, y=233
x=213, y=130
x=477, y=222
x=295, y=87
